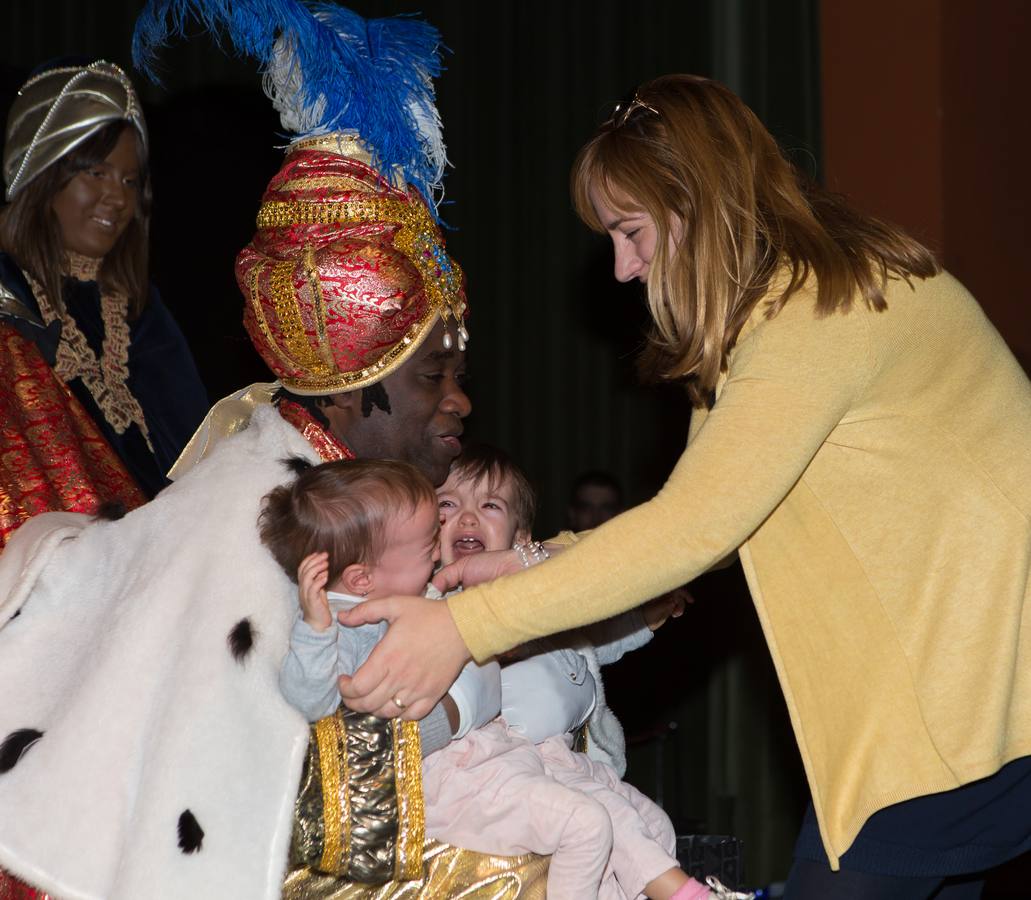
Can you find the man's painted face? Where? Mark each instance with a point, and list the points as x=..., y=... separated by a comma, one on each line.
x=427, y=405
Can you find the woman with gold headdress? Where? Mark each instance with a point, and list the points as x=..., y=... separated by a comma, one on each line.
x=101, y=392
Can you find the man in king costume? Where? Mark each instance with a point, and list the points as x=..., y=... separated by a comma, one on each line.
x=145, y=749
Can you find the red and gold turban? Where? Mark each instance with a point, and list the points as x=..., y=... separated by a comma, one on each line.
x=347, y=272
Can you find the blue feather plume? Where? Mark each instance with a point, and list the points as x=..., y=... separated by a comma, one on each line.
x=327, y=69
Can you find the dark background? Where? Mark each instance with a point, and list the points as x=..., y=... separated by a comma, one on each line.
x=553, y=335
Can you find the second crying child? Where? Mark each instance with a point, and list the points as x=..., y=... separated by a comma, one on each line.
x=354, y=530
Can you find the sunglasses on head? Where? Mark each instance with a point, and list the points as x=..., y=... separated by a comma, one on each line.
x=630, y=108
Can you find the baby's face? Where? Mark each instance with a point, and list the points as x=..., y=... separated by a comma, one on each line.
x=413, y=548
x=475, y=518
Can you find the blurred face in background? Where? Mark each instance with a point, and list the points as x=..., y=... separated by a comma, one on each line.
x=592, y=504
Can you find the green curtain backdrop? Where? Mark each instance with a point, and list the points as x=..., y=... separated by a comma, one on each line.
x=553, y=336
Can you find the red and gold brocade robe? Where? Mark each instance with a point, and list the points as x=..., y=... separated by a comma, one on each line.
x=52, y=456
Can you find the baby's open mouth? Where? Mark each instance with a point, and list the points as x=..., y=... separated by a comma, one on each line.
x=465, y=546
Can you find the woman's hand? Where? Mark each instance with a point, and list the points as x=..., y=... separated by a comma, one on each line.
x=414, y=664
x=469, y=571
x=472, y=570
x=312, y=575
x=668, y=606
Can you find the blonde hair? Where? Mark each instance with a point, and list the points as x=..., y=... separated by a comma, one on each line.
x=688, y=151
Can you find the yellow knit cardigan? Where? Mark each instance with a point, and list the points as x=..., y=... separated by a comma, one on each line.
x=874, y=471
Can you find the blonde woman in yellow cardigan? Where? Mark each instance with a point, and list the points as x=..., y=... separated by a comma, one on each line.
x=862, y=438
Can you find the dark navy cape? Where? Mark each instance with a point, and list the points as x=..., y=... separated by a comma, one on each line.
x=162, y=374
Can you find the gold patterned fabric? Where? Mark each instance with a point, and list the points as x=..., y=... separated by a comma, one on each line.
x=52, y=457
x=359, y=812
x=450, y=873
x=107, y=377
x=359, y=825
x=346, y=275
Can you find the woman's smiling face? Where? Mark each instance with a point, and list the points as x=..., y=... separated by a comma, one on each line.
x=94, y=208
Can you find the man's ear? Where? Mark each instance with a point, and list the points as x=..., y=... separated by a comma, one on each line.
x=356, y=579
x=343, y=410
x=522, y=536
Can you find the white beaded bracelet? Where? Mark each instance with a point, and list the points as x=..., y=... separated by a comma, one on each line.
x=531, y=553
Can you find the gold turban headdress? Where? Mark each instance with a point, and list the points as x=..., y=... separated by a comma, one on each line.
x=58, y=109
x=347, y=273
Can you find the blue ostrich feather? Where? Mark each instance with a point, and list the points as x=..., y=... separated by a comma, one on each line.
x=327, y=69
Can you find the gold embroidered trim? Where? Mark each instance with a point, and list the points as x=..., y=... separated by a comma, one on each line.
x=105, y=378
x=416, y=238
x=333, y=762
x=288, y=316
x=259, y=317
x=411, y=810
x=322, y=440
x=340, y=143
x=315, y=286
x=339, y=183
x=350, y=146
x=280, y=213
x=344, y=860
x=350, y=381
x=84, y=268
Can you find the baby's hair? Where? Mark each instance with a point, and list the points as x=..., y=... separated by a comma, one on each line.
x=340, y=507
x=478, y=461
